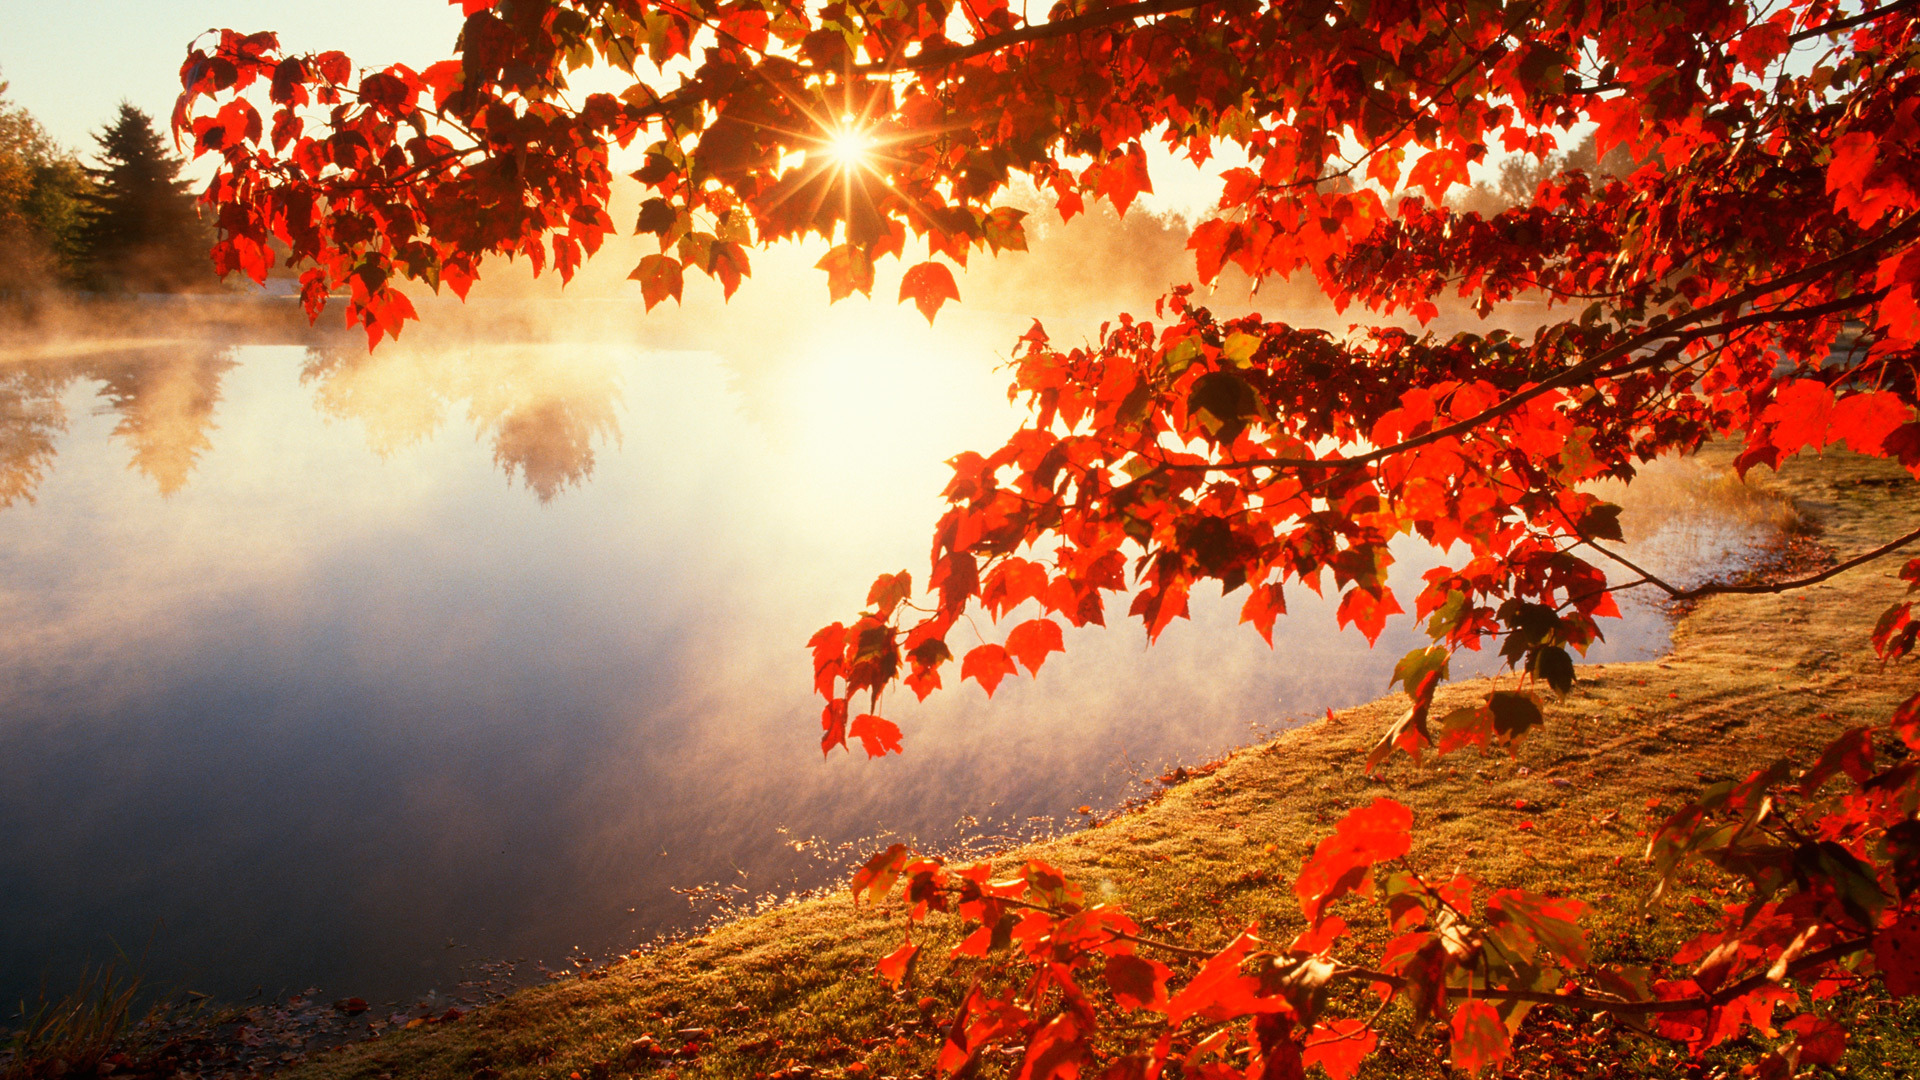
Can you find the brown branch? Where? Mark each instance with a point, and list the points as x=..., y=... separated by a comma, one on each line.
x=1755, y=318
x=1716, y=588
x=1670, y=329
x=1612, y=1004
x=1122, y=13
x=1861, y=19
x=1783, y=586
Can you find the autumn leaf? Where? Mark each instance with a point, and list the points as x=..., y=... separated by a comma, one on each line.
x=659, y=278
x=877, y=876
x=987, y=665
x=1479, y=1037
x=849, y=270
x=833, y=724
x=1056, y=1051
x=895, y=965
x=1221, y=992
x=1338, y=1046
x=1368, y=611
x=1031, y=641
x=1137, y=982
x=877, y=737
x=1438, y=170
x=1896, y=952
x=888, y=590
x=1340, y=864
x=929, y=285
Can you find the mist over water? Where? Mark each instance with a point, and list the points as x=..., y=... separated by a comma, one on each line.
x=336, y=670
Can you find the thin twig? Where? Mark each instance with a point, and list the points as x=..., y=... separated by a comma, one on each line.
x=1608, y=1003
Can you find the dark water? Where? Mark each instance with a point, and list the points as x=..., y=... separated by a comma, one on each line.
x=336, y=671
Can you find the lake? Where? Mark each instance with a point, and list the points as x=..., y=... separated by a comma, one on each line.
x=344, y=671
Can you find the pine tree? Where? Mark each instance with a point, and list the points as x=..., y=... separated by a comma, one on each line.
x=143, y=233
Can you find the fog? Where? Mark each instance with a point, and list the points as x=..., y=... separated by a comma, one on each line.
x=337, y=669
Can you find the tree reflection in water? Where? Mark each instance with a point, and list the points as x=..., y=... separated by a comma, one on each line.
x=31, y=417
x=543, y=410
x=164, y=396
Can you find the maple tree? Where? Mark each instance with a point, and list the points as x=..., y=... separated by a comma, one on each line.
x=1752, y=277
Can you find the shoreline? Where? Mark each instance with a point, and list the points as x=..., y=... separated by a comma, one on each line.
x=792, y=993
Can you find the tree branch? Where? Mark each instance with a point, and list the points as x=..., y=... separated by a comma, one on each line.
x=1861, y=19
x=1755, y=318
x=1611, y=1004
x=1664, y=331
x=1783, y=586
x=1122, y=13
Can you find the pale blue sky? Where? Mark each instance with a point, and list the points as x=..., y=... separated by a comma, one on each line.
x=70, y=62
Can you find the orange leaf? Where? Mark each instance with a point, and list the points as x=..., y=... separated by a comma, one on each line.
x=930, y=284
x=987, y=665
x=879, y=873
x=1801, y=414
x=659, y=277
x=893, y=967
x=1317, y=938
x=1437, y=171
x=1865, y=420
x=1342, y=863
x=848, y=269
x=889, y=590
x=1056, y=1051
x=1368, y=612
x=833, y=721
x=877, y=737
x=1896, y=952
x=1138, y=983
x=1264, y=603
x=1479, y=1038
x=1220, y=992
x=1337, y=1046
x=1031, y=641
x=1822, y=1042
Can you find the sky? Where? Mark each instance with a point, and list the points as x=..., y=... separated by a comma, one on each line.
x=71, y=62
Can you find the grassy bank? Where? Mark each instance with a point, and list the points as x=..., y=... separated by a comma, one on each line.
x=792, y=993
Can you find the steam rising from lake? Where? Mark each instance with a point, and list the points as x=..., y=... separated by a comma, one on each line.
x=340, y=670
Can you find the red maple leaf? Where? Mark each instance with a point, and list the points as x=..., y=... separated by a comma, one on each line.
x=1338, y=1047
x=1341, y=863
x=987, y=665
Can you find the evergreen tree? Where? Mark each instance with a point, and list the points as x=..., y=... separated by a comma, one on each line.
x=41, y=207
x=143, y=233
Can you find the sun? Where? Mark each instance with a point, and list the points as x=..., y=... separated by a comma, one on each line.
x=850, y=146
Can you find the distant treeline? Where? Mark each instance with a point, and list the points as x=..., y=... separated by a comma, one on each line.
x=1521, y=175
x=125, y=224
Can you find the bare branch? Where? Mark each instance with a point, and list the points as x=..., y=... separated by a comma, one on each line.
x=1801, y=583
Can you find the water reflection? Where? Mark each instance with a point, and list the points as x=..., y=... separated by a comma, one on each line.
x=164, y=401
x=30, y=418
x=163, y=398
x=343, y=698
x=542, y=411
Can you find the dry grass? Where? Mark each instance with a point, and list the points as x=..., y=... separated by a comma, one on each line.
x=73, y=1033
x=792, y=993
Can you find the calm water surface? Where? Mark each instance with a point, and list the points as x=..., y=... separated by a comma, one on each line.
x=342, y=671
